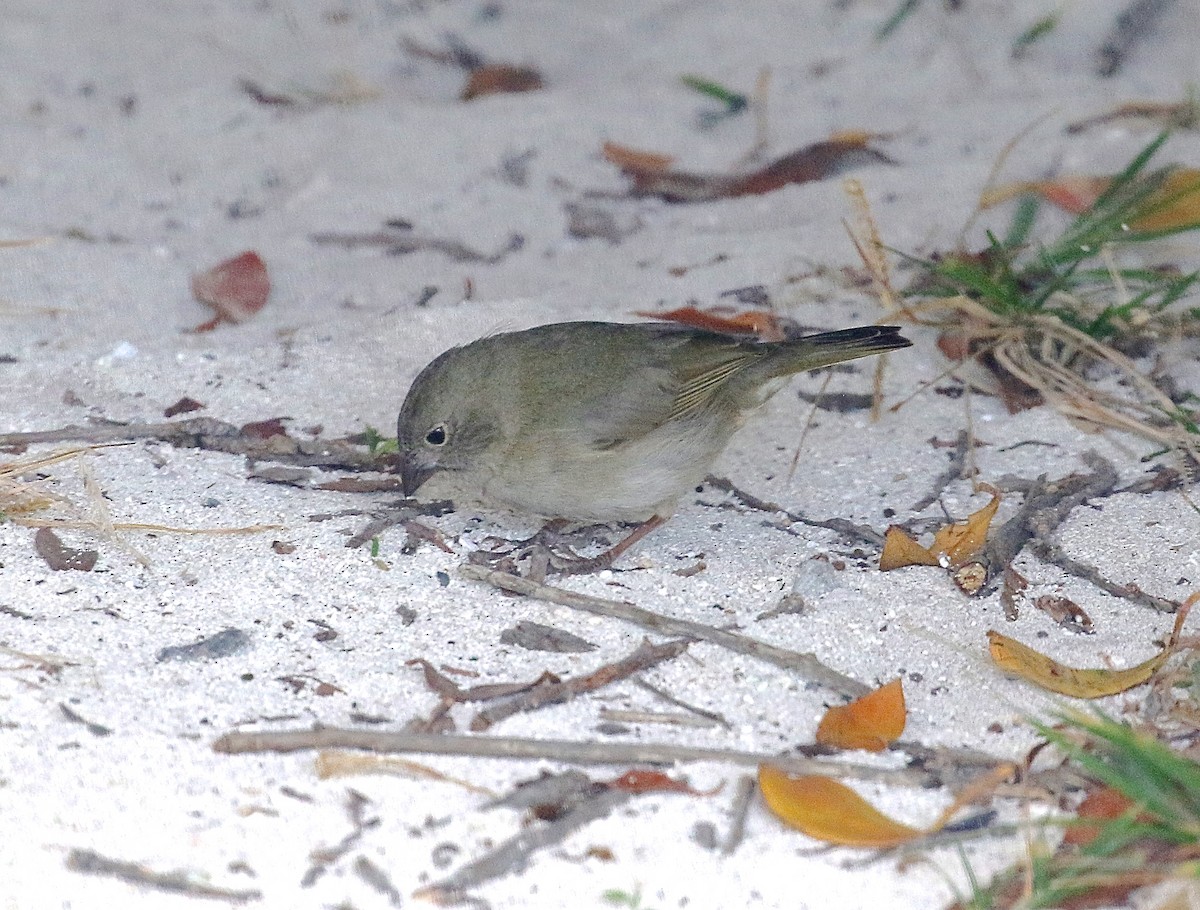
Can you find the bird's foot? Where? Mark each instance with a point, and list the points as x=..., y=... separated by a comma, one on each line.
x=546, y=553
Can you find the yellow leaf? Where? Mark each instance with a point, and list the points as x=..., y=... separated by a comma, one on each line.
x=960, y=541
x=952, y=545
x=870, y=722
x=1174, y=205
x=900, y=550
x=1012, y=656
x=830, y=811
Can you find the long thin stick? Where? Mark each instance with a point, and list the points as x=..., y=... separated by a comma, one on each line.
x=561, y=750
x=806, y=665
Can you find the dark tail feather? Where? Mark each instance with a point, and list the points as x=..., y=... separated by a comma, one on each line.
x=870, y=339
x=826, y=348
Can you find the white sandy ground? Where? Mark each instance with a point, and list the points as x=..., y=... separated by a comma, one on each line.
x=340, y=340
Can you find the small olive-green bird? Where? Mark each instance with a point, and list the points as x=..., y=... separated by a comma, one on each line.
x=597, y=421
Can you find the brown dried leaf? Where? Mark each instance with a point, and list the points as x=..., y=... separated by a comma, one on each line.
x=184, y=405
x=263, y=429
x=59, y=556
x=500, y=78
x=1065, y=612
x=651, y=175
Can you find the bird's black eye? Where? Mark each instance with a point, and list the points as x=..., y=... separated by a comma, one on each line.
x=436, y=436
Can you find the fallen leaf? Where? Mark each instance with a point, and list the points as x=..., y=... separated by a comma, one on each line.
x=1020, y=660
x=533, y=636
x=830, y=811
x=900, y=550
x=1174, y=206
x=1102, y=804
x=642, y=781
x=500, y=78
x=184, y=405
x=635, y=161
x=953, y=545
x=236, y=288
x=834, y=156
x=762, y=325
x=263, y=429
x=1065, y=612
x=961, y=541
x=870, y=722
x=1014, y=586
x=59, y=556
x=652, y=176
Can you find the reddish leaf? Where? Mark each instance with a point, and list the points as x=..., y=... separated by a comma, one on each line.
x=640, y=781
x=1103, y=804
x=184, y=405
x=759, y=323
x=651, y=173
x=263, y=429
x=1175, y=205
x=236, y=288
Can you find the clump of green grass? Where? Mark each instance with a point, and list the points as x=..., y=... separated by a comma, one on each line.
x=1043, y=317
x=1152, y=837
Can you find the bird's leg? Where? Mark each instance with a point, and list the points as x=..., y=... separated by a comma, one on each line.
x=547, y=535
x=583, y=565
x=543, y=556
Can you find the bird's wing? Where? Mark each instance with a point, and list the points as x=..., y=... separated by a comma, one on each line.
x=695, y=392
x=673, y=382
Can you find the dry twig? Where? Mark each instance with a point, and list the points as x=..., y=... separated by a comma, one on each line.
x=807, y=665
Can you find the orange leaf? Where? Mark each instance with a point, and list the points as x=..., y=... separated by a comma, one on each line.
x=1174, y=205
x=900, y=550
x=960, y=541
x=830, y=811
x=953, y=545
x=1013, y=657
x=759, y=323
x=870, y=722
x=635, y=161
x=643, y=781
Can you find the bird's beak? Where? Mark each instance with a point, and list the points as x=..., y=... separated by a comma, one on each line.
x=413, y=474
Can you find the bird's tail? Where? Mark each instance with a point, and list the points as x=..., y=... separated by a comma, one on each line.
x=825, y=348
